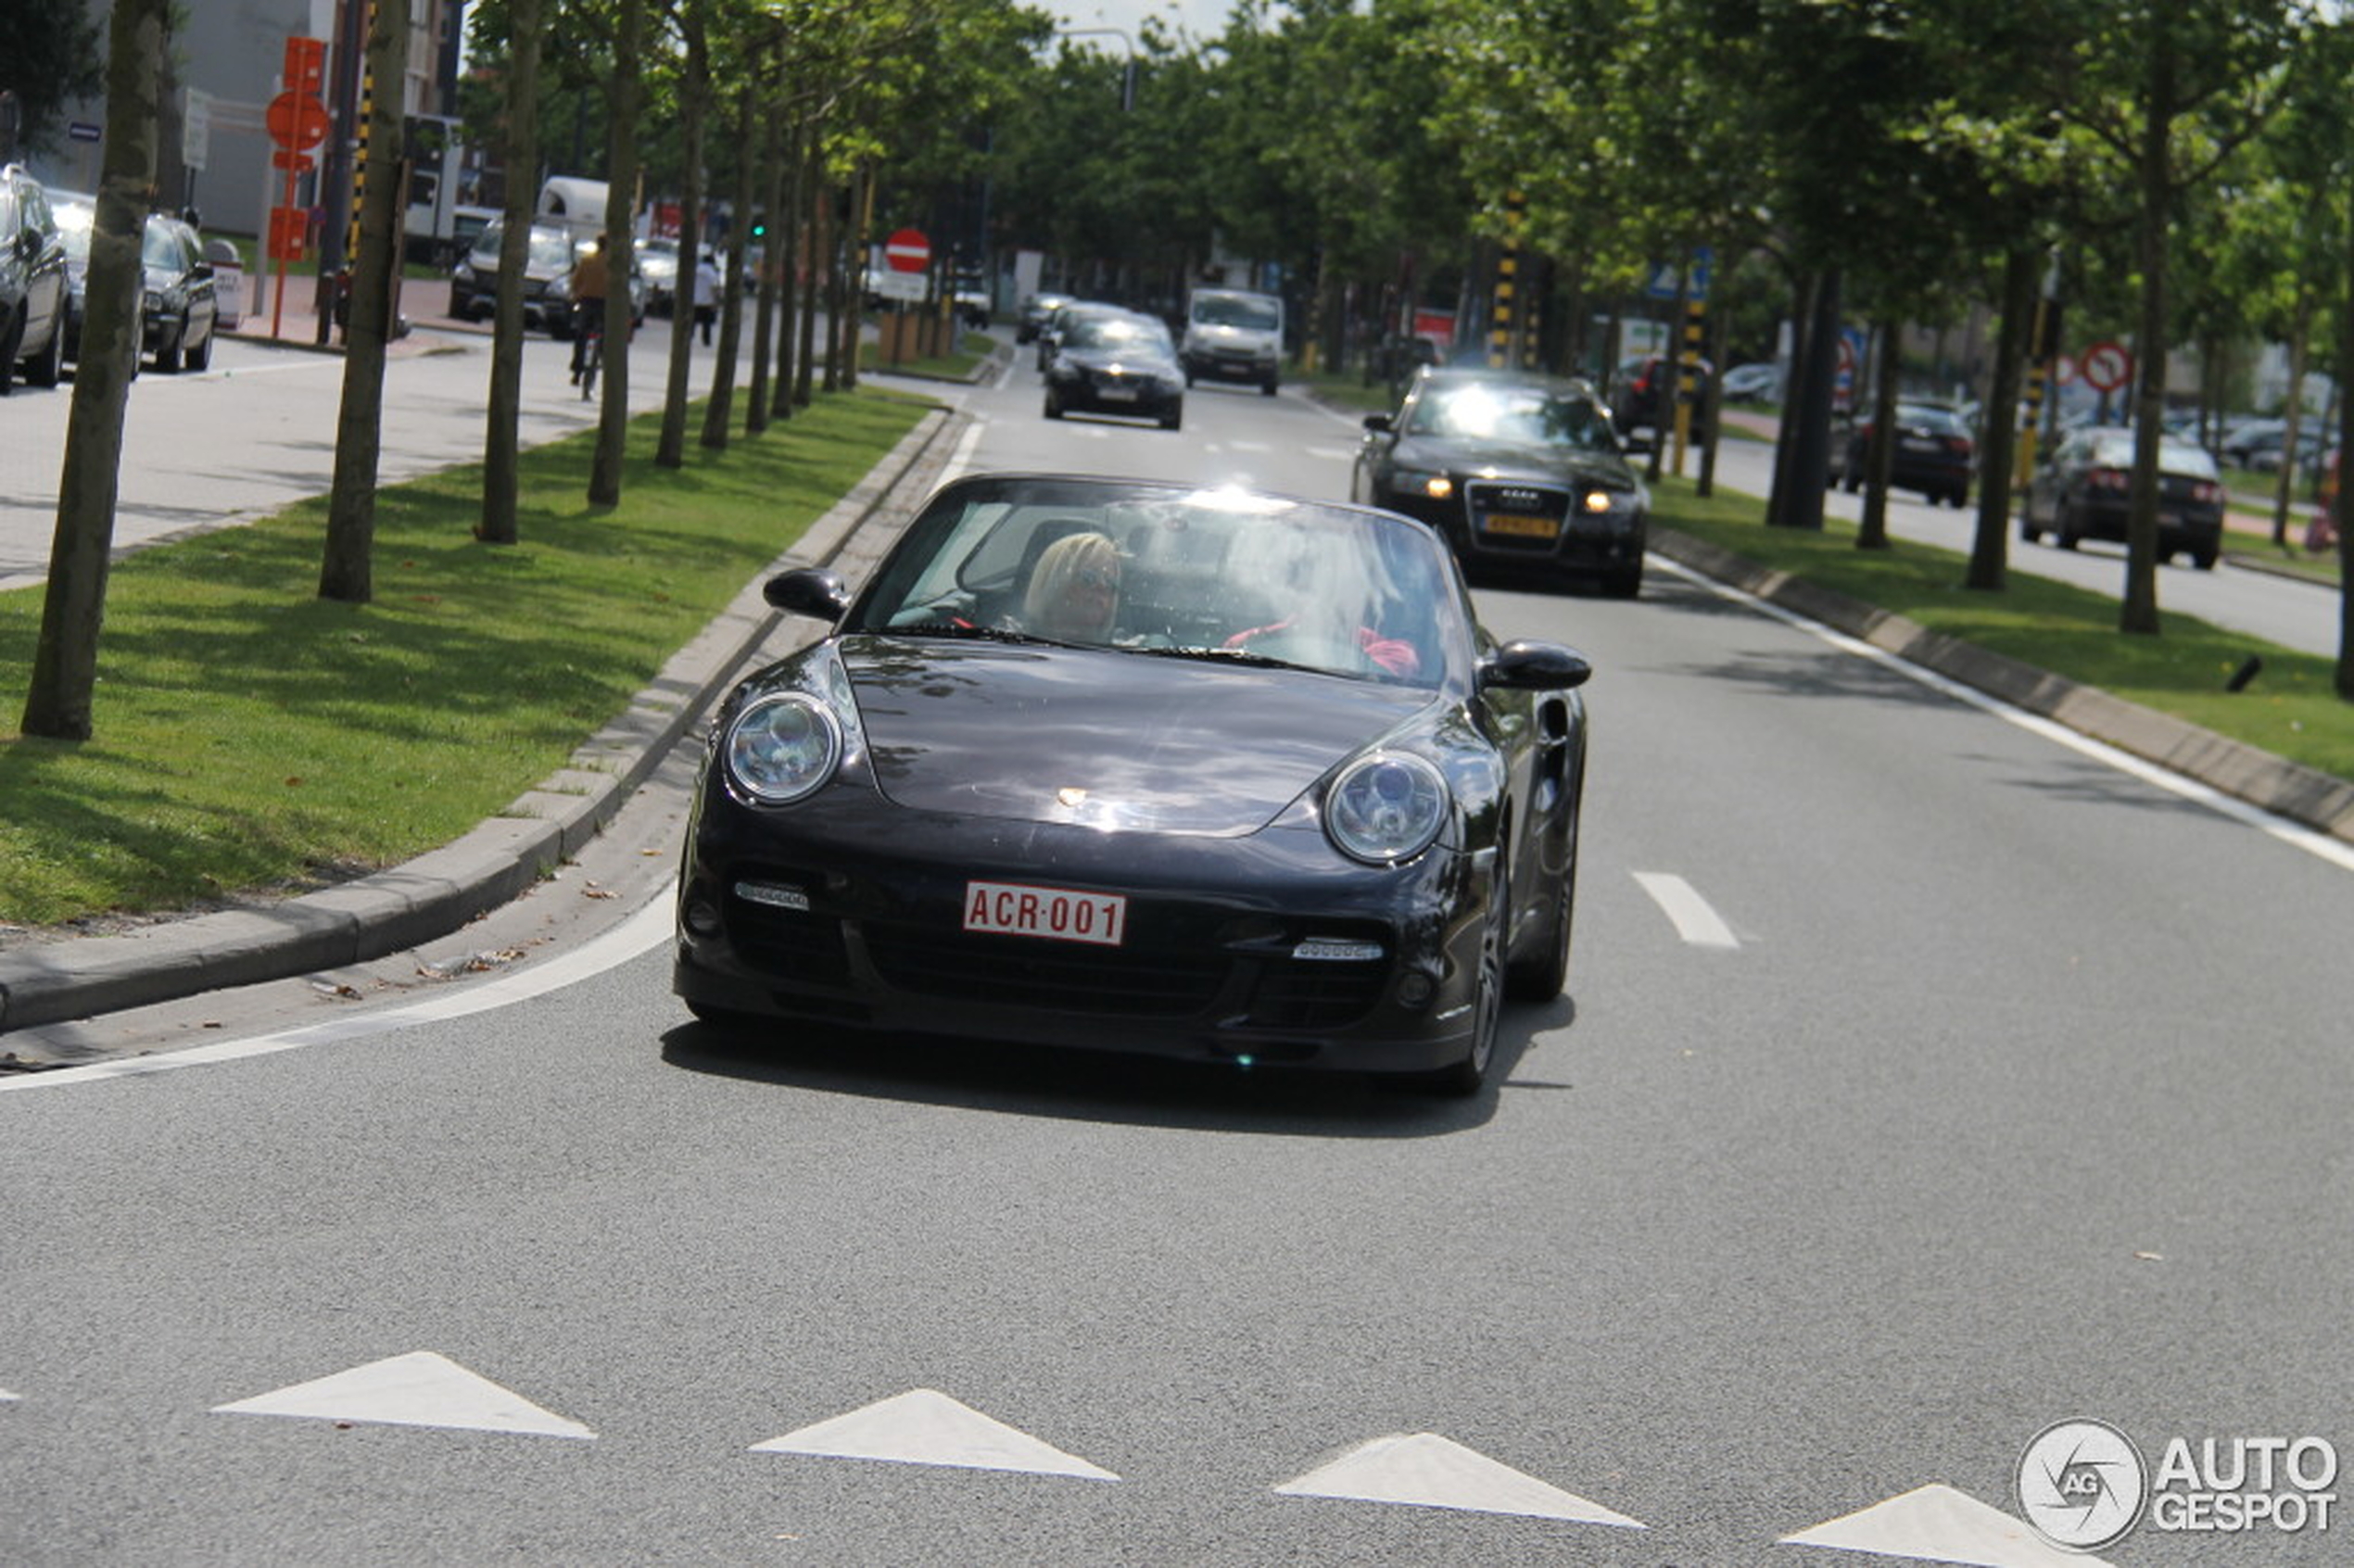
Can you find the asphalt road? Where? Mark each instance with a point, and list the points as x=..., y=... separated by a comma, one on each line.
x=1923, y=1081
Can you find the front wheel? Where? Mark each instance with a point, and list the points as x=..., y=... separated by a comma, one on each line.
x=168, y=351
x=1465, y=1078
x=200, y=357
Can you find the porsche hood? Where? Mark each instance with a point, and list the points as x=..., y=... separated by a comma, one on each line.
x=1109, y=739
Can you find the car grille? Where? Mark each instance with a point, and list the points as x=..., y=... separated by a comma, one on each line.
x=1129, y=982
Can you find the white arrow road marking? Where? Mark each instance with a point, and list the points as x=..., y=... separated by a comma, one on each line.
x=925, y=1426
x=418, y=1389
x=1429, y=1470
x=1937, y=1523
x=6, y=1395
x=1695, y=921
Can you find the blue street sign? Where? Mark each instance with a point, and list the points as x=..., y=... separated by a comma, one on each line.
x=1662, y=280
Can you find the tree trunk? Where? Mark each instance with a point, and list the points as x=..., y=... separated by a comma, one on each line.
x=346, y=572
x=1879, y=458
x=64, y=661
x=694, y=107
x=813, y=190
x=621, y=211
x=2343, y=501
x=502, y=445
x=721, y=409
x=1793, y=383
x=1990, y=544
x=1811, y=442
x=786, y=233
x=2292, y=417
x=829, y=229
x=2137, y=612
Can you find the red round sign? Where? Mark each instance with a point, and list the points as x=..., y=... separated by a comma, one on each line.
x=2106, y=366
x=907, y=251
x=297, y=121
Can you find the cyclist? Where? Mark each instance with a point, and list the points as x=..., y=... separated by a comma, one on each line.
x=588, y=279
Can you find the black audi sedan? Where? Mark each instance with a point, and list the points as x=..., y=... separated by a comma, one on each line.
x=1116, y=364
x=2085, y=492
x=1211, y=774
x=1522, y=475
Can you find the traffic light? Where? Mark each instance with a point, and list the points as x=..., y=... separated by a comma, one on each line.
x=759, y=228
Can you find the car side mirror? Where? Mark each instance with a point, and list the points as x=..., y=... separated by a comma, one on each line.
x=1535, y=666
x=1380, y=424
x=810, y=590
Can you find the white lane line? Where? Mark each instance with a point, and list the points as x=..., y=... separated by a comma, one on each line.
x=963, y=454
x=649, y=927
x=1333, y=454
x=1695, y=921
x=2295, y=835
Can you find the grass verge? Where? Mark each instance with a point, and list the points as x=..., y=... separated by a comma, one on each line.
x=2290, y=710
x=251, y=736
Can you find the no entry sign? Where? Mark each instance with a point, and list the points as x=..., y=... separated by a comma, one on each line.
x=907, y=251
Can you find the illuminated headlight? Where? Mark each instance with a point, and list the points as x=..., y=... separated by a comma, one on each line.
x=1416, y=482
x=461, y=273
x=1386, y=808
x=781, y=748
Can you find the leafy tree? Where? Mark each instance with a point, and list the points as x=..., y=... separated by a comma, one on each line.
x=50, y=56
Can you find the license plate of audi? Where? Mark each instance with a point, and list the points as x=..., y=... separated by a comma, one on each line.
x=1521, y=524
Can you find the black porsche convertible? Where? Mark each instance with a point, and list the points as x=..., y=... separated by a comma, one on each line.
x=1210, y=774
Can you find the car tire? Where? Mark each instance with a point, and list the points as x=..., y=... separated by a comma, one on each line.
x=1174, y=418
x=1463, y=1078
x=200, y=357
x=1053, y=406
x=1540, y=979
x=2205, y=558
x=166, y=356
x=1623, y=582
x=2028, y=531
x=1267, y=387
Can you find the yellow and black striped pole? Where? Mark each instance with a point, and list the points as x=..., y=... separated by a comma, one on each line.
x=1688, y=374
x=1501, y=313
x=359, y=141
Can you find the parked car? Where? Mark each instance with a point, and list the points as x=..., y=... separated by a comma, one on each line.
x=32, y=282
x=1935, y=453
x=1754, y=384
x=546, y=284
x=76, y=212
x=1521, y=475
x=2082, y=493
x=179, y=313
x=1636, y=401
x=1117, y=364
x=1200, y=773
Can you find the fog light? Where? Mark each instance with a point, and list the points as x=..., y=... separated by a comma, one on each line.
x=1415, y=990
x=702, y=916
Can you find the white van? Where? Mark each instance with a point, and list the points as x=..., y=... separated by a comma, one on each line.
x=579, y=204
x=1234, y=335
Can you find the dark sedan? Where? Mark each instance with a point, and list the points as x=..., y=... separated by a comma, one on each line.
x=1935, y=454
x=1116, y=364
x=2083, y=493
x=547, y=278
x=1522, y=475
x=178, y=311
x=1133, y=766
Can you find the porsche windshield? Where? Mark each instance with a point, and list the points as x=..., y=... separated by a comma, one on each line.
x=1224, y=575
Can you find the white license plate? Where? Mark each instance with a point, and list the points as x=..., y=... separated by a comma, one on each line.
x=1921, y=444
x=1118, y=393
x=1061, y=914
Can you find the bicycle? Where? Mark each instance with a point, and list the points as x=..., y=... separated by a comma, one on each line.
x=592, y=350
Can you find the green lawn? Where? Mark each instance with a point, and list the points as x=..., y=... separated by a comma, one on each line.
x=2290, y=709
x=251, y=735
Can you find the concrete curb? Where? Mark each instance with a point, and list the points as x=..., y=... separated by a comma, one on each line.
x=439, y=892
x=2305, y=795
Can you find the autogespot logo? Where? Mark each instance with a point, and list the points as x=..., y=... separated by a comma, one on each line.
x=2082, y=1484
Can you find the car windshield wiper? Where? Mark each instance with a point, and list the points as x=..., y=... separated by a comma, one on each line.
x=1224, y=656
x=963, y=628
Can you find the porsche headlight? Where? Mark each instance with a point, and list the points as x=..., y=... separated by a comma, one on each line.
x=1386, y=808
x=782, y=748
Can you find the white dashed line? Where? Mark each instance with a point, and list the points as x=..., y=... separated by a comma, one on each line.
x=1695, y=921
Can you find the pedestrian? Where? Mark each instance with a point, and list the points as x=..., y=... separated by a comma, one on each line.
x=588, y=279
x=706, y=295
